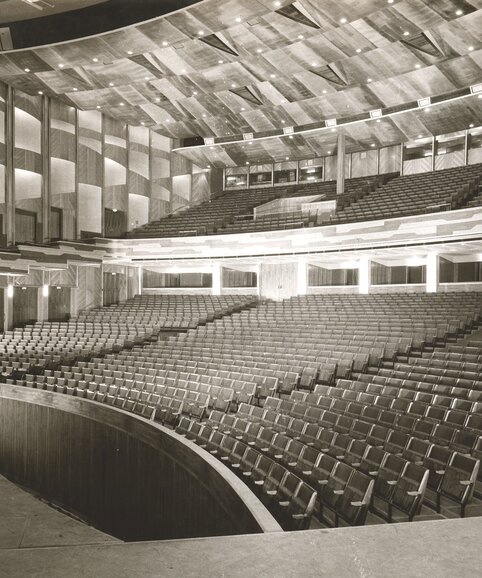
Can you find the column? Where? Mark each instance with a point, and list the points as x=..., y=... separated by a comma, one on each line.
x=302, y=277
x=43, y=303
x=10, y=167
x=8, y=305
x=74, y=295
x=432, y=273
x=217, y=281
x=45, y=169
x=364, y=275
x=340, y=165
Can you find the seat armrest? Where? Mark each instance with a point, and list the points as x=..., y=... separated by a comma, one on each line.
x=413, y=493
x=284, y=504
x=440, y=472
x=307, y=472
x=271, y=492
x=465, y=482
x=357, y=504
x=258, y=482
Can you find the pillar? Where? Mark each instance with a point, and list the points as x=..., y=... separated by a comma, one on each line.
x=10, y=167
x=217, y=280
x=432, y=273
x=340, y=165
x=364, y=275
x=302, y=277
x=45, y=169
x=8, y=306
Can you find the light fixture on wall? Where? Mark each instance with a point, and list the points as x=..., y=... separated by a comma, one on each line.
x=10, y=291
x=45, y=290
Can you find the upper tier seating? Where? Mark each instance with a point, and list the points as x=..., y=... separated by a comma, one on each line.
x=225, y=213
x=416, y=194
x=365, y=198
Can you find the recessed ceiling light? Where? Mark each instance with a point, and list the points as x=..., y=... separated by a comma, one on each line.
x=291, y=136
x=459, y=12
x=158, y=99
x=208, y=166
x=40, y=92
x=61, y=65
x=471, y=125
x=75, y=89
x=168, y=120
x=329, y=152
x=418, y=66
x=194, y=93
x=129, y=52
x=343, y=20
x=287, y=158
x=121, y=104
x=283, y=121
x=427, y=109
x=259, y=50
x=147, y=77
x=111, y=84
x=314, y=64
x=201, y=33
x=324, y=91
x=300, y=36
x=142, y=123
x=372, y=144
x=247, y=162
x=358, y=50
x=95, y=60
x=277, y=3
x=406, y=33
x=238, y=19
x=165, y=43
x=220, y=61
x=470, y=48
x=419, y=136
x=204, y=114
x=183, y=71
x=243, y=109
x=378, y=120
x=233, y=85
x=272, y=75
x=390, y=1
x=98, y=106
x=369, y=79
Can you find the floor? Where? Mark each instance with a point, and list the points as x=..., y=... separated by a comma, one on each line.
x=27, y=522
x=443, y=549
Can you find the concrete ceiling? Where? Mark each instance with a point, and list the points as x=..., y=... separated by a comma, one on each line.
x=221, y=69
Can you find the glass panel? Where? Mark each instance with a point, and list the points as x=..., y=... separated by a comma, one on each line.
x=321, y=277
x=450, y=150
x=260, y=175
x=389, y=160
x=475, y=145
x=236, y=177
x=311, y=170
x=285, y=172
x=417, y=156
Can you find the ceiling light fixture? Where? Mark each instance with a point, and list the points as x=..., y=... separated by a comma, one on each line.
x=40, y=92
x=258, y=50
x=95, y=60
x=61, y=65
x=111, y=84
x=470, y=48
x=165, y=43
x=201, y=33
x=358, y=50
x=27, y=69
x=129, y=52
x=98, y=106
x=238, y=19
x=343, y=20
x=459, y=12
x=121, y=104
x=301, y=37
x=75, y=89
x=406, y=33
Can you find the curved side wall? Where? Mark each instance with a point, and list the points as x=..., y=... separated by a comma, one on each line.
x=125, y=475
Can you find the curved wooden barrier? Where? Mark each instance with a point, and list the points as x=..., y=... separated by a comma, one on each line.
x=125, y=475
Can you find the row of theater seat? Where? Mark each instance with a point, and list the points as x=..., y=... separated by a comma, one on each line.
x=366, y=198
x=183, y=377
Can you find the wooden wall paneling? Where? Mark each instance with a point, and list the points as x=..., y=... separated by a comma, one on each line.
x=278, y=280
x=88, y=293
x=25, y=303
x=9, y=167
x=389, y=159
x=124, y=475
x=59, y=303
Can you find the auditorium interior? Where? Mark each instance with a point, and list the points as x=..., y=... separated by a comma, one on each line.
x=240, y=288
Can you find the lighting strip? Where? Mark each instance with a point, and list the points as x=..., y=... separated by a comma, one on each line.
x=323, y=126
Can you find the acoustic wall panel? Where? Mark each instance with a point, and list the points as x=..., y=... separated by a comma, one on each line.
x=3, y=159
x=90, y=170
x=63, y=161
